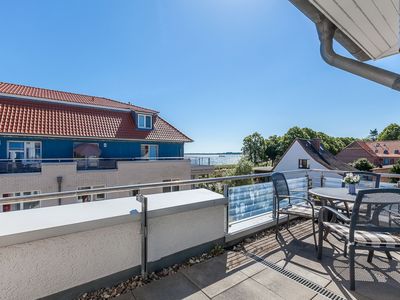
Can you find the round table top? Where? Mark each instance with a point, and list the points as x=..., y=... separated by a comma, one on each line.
x=342, y=194
x=330, y=193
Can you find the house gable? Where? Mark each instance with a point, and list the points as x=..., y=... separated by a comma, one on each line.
x=290, y=160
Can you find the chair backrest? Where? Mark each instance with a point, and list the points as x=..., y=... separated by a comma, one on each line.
x=368, y=179
x=281, y=188
x=380, y=211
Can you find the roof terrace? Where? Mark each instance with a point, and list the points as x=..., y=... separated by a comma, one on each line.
x=192, y=244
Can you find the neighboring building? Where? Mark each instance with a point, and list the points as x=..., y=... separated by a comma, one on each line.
x=380, y=153
x=52, y=140
x=309, y=154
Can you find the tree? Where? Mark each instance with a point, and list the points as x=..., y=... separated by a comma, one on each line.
x=254, y=148
x=373, y=134
x=272, y=148
x=396, y=170
x=390, y=133
x=363, y=164
x=243, y=167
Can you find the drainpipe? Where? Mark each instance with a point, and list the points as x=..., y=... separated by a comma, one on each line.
x=326, y=31
x=59, y=182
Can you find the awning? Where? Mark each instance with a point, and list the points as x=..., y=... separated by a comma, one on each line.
x=87, y=150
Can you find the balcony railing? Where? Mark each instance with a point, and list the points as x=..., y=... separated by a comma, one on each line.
x=245, y=201
x=8, y=166
x=120, y=240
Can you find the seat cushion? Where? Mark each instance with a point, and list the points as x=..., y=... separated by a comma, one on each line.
x=299, y=210
x=366, y=238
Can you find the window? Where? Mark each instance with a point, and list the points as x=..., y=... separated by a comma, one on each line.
x=90, y=198
x=174, y=188
x=24, y=150
x=304, y=164
x=149, y=151
x=396, y=151
x=21, y=205
x=145, y=121
x=386, y=161
x=134, y=193
x=385, y=151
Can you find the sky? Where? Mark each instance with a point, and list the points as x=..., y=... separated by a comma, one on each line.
x=218, y=70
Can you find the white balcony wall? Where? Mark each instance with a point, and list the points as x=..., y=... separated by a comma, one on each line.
x=49, y=250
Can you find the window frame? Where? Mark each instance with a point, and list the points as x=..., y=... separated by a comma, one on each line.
x=144, y=126
x=144, y=156
x=24, y=151
x=300, y=164
x=21, y=205
x=93, y=197
x=172, y=188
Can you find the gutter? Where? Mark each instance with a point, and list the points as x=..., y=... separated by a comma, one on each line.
x=326, y=31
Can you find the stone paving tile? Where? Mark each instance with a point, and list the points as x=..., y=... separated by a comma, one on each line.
x=372, y=282
x=338, y=288
x=212, y=277
x=283, y=286
x=173, y=287
x=248, y=289
x=227, y=276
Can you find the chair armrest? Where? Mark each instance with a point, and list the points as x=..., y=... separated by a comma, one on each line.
x=300, y=198
x=335, y=212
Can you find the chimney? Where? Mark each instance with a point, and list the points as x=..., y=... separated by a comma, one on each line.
x=316, y=143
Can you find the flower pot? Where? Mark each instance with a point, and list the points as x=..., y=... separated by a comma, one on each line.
x=352, y=188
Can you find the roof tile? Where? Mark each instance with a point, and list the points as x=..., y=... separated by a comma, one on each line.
x=52, y=95
x=54, y=119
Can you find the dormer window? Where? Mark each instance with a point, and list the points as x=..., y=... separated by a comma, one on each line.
x=386, y=152
x=396, y=151
x=145, y=121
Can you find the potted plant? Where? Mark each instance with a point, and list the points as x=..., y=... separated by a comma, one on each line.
x=351, y=180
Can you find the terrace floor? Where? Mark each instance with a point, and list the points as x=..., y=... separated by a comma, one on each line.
x=285, y=269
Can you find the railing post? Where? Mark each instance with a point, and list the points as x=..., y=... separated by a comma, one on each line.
x=226, y=195
x=144, y=233
x=322, y=179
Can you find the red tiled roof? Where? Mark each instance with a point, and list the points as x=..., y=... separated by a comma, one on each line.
x=40, y=118
x=28, y=91
x=379, y=148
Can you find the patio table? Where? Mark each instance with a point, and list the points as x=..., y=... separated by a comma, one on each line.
x=332, y=195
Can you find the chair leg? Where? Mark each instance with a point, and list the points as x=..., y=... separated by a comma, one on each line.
x=287, y=222
x=388, y=255
x=345, y=249
x=277, y=225
x=370, y=256
x=352, y=267
x=314, y=234
x=320, y=240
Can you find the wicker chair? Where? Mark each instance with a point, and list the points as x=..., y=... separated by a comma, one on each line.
x=373, y=229
x=305, y=209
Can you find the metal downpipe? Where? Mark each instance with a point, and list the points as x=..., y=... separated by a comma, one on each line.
x=326, y=31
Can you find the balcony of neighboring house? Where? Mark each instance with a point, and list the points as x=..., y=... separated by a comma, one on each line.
x=202, y=166
x=187, y=243
x=26, y=157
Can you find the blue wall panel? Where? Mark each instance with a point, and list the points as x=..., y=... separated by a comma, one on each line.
x=63, y=148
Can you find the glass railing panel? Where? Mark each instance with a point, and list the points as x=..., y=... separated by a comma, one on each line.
x=250, y=200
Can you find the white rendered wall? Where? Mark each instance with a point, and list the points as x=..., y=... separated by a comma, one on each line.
x=290, y=162
x=106, y=240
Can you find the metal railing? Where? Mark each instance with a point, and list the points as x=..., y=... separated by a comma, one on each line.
x=321, y=174
x=8, y=166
